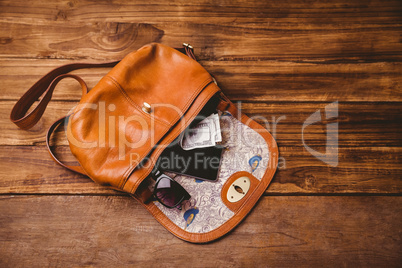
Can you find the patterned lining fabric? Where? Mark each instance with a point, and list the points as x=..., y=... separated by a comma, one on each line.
x=245, y=150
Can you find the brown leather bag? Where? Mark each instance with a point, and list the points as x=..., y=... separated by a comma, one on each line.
x=144, y=103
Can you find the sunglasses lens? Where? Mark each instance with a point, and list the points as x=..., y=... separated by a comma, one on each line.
x=169, y=192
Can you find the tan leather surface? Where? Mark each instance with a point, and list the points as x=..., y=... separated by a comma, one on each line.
x=156, y=74
x=140, y=174
x=246, y=205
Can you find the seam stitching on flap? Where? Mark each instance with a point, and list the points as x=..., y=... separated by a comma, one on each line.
x=132, y=102
x=203, y=85
x=123, y=179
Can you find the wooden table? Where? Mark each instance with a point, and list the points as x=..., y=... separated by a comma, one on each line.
x=283, y=61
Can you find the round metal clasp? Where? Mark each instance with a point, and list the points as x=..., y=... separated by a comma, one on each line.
x=146, y=107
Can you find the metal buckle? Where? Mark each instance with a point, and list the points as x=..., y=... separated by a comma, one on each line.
x=188, y=45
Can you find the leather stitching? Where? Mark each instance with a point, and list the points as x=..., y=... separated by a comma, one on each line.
x=135, y=106
x=135, y=186
x=124, y=93
x=126, y=175
x=242, y=212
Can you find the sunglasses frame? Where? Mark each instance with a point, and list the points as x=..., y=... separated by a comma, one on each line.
x=185, y=194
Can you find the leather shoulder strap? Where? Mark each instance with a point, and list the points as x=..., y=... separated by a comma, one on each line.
x=45, y=87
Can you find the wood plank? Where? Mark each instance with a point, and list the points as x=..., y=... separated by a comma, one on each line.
x=245, y=30
x=268, y=39
x=198, y=9
x=284, y=61
x=78, y=40
x=30, y=170
x=264, y=81
x=360, y=124
x=280, y=231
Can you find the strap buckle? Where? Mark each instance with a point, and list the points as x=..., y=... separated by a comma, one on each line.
x=188, y=45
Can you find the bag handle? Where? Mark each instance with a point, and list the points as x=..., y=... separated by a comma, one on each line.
x=45, y=86
x=77, y=169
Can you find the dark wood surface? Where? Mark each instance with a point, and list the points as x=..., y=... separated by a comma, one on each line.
x=282, y=231
x=282, y=61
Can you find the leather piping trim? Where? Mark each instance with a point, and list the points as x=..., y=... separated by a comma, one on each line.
x=243, y=210
x=130, y=169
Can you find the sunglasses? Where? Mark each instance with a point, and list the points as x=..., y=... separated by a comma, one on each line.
x=168, y=192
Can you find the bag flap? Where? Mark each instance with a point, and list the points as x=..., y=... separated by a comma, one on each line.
x=109, y=132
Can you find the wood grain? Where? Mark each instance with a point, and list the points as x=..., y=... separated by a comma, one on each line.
x=266, y=81
x=79, y=40
x=360, y=171
x=259, y=30
x=349, y=11
x=281, y=231
x=283, y=61
x=359, y=124
x=112, y=40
